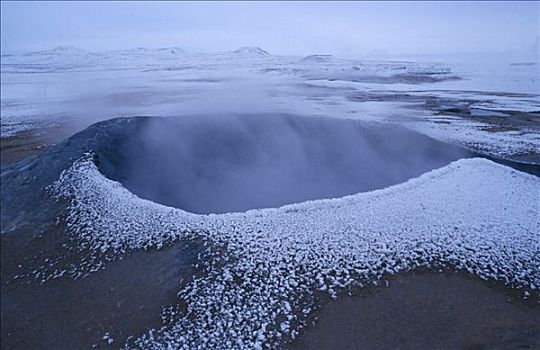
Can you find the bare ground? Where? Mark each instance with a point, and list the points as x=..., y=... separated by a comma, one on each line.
x=426, y=310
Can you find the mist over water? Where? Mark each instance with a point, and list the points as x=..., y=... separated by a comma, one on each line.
x=233, y=162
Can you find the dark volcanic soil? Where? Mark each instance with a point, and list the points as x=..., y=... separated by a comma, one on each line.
x=426, y=310
x=30, y=143
x=125, y=299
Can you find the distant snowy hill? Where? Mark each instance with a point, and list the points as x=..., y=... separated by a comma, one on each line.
x=142, y=51
x=138, y=56
x=59, y=56
x=171, y=50
x=58, y=51
x=251, y=51
x=318, y=58
x=63, y=58
x=68, y=58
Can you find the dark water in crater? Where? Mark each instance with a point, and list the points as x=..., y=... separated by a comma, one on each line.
x=226, y=163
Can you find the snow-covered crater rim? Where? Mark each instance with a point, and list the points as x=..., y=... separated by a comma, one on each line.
x=87, y=165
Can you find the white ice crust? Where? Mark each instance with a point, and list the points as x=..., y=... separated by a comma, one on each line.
x=474, y=215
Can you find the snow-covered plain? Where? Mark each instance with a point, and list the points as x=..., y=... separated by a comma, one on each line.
x=66, y=85
x=263, y=267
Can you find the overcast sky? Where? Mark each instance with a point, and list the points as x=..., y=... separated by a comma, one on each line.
x=341, y=28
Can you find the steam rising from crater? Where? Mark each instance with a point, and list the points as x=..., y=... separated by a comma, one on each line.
x=226, y=163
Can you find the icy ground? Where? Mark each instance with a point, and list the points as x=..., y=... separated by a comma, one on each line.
x=263, y=268
x=66, y=85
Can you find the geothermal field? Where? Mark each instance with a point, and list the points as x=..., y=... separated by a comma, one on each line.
x=166, y=199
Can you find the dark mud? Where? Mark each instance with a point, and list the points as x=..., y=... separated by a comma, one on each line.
x=124, y=299
x=30, y=143
x=426, y=310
